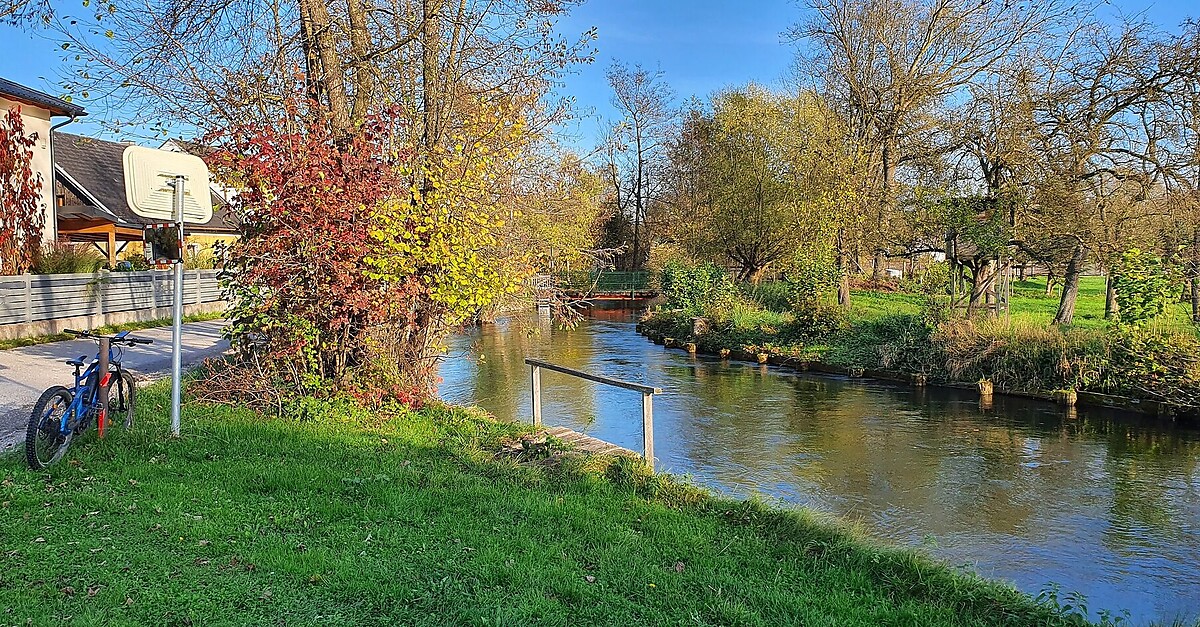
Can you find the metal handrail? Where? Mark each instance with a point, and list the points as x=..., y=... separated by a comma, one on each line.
x=647, y=392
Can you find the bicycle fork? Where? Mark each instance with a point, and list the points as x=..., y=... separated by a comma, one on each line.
x=102, y=412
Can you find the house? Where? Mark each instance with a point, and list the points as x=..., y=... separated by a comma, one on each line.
x=38, y=111
x=83, y=181
x=89, y=188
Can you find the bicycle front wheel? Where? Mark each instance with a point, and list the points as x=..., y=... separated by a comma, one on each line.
x=121, y=396
x=45, y=439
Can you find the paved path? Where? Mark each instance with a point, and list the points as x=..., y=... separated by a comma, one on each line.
x=26, y=372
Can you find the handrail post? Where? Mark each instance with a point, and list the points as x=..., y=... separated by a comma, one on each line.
x=648, y=428
x=535, y=374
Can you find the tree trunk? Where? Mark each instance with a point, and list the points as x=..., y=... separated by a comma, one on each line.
x=1111, y=308
x=1049, y=283
x=325, y=46
x=755, y=275
x=982, y=275
x=843, y=266
x=312, y=63
x=1196, y=275
x=360, y=42
x=634, y=259
x=990, y=292
x=1066, y=305
x=430, y=74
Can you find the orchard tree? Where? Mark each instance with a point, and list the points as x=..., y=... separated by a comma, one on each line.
x=1176, y=150
x=21, y=216
x=1098, y=164
x=892, y=68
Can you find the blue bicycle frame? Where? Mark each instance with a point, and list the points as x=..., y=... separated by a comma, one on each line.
x=85, y=394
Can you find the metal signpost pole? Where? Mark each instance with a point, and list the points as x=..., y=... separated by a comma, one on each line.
x=177, y=335
x=145, y=171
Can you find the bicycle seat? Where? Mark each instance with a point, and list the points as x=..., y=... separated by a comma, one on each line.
x=77, y=362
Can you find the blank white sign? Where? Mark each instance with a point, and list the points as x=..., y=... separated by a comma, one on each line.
x=149, y=175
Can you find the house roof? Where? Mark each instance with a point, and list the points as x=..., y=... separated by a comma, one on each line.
x=190, y=147
x=27, y=95
x=94, y=168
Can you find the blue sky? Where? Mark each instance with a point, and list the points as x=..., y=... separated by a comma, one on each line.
x=700, y=45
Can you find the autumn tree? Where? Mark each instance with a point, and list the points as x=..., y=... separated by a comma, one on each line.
x=770, y=169
x=21, y=215
x=304, y=313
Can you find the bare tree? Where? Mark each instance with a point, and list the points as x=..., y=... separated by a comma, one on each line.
x=210, y=63
x=637, y=143
x=1175, y=126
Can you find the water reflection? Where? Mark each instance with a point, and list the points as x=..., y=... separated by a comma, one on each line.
x=1100, y=503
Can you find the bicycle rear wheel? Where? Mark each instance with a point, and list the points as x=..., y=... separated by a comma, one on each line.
x=45, y=442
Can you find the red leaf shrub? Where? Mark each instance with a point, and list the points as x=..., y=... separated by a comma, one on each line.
x=302, y=308
x=21, y=216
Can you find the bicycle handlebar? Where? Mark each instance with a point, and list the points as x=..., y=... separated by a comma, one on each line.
x=126, y=339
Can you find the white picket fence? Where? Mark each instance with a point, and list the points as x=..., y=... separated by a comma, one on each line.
x=31, y=298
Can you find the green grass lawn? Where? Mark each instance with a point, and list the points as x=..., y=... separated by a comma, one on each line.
x=1029, y=304
x=246, y=521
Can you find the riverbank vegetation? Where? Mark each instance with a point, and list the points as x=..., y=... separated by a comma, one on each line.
x=891, y=211
x=906, y=332
x=378, y=518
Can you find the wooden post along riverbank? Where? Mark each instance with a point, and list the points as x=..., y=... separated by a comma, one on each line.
x=647, y=392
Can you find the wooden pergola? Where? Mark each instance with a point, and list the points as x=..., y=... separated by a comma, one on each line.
x=98, y=232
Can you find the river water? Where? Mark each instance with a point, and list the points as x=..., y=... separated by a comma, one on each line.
x=1099, y=503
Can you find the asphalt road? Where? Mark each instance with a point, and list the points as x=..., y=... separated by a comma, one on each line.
x=26, y=372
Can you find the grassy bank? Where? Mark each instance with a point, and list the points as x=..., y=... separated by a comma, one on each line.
x=902, y=333
x=416, y=521
x=112, y=328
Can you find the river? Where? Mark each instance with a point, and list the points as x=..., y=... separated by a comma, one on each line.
x=1099, y=503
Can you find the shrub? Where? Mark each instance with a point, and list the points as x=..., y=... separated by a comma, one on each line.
x=302, y=309
x=64, y=258
x=812, y=276
x=698, y=289
x=21, y=216
x=1143, y=285
x=817, y=319
x=934, y=279
x=1163, y=366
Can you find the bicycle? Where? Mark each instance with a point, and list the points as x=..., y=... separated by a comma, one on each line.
x=62, y=413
